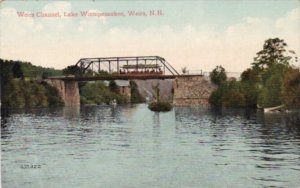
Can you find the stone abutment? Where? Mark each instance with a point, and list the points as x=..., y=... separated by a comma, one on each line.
x=192, y=90
x=68, y=91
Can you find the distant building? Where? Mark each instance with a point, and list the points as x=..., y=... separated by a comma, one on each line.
x=124, y=88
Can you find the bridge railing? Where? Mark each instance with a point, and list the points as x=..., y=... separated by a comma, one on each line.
x=230, y=75
x=206, y=74
x=193, y=72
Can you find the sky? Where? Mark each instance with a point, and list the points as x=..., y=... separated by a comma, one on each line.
x=198, y=35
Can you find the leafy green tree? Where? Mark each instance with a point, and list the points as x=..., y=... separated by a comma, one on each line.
x=113, y=86
x=45, y=75
x=18, y=93
x=17, y=71
x=72, y=70
x=35, y=94
x=99, y=93
x=14, y=95
x=274, y=52
x=53, y=96
x=136, y=97
x=218, y=75
x=6, y=76
x=265, y=84
x=32, y=71
x=291, y=88
x=228, y=94
x=270, y=66
x=250, y=87
x=215, y=98
x=271, y=93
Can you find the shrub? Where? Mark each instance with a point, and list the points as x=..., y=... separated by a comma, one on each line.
x=160, y=106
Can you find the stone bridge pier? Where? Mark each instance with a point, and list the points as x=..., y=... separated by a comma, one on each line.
x=192, y=90
x=68, y=91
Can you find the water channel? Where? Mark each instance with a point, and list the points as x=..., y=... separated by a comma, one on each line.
x=130, y=146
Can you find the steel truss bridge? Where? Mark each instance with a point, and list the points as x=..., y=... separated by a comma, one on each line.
x=123, y=68
x=138, y=65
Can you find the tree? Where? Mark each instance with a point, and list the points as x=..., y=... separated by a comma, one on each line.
x=274, y=52
x=270, y=95
x=291, y=88
x=184, y=70
x=228, y=94
x=136, y=97
x=45, y=75
x=72, y=70
x=113, y=86
x=250, y=87
x=218, y=75
x=99, y=93
x=249, y=75
x=17, y=71
x=53, y=96
x=267, y=83
x=157, y=91
x=270, y=66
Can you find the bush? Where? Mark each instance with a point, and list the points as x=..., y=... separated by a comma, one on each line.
x=98, y=93
x=136, y=97
x=218, y=75
x=228, y=94
x=271, y=93
x=160, y=106
x=291, y=88
x=53, y=96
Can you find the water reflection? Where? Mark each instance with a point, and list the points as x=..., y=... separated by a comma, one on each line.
x=71, y=112
x=271, y=139
x=130, y=146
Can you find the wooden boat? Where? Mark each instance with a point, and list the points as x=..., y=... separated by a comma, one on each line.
x=273, y=109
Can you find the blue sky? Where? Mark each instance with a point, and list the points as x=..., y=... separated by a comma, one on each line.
x=195, y=34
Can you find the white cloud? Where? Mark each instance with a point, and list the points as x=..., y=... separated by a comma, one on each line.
x=197, y=48
x=10, y=22
x=288, y=27
x=291, y=20
x=56, y=24
x=59, y=6
x=91, y=24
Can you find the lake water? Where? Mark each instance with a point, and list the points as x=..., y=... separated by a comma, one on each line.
x=130, y=146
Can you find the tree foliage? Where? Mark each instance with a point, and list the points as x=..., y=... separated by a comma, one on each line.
x=98, y=93
x=72, y=70
x=270, y=95
x=113, y=86
x=274, y=52
x=218, y=75
x=228, y=94
x=19, y=93
x=136, y=97
x=160, y=106
x=32, y=71
x=271, y=64
x=17, y=71
x=291, y=88
x=184, y=70
x=267, y=83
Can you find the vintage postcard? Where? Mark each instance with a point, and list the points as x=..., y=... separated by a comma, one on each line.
x=133, y=94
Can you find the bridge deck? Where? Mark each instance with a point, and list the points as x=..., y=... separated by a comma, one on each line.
x=119, y=77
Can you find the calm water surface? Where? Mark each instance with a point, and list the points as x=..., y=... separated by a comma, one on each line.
x=130, y=146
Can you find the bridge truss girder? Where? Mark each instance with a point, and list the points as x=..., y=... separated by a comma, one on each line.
x=116, y=62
